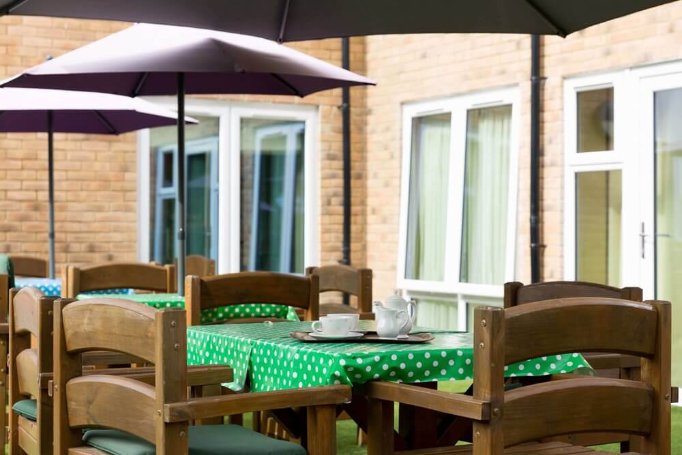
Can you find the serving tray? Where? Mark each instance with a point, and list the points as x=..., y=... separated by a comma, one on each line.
x=368, y=337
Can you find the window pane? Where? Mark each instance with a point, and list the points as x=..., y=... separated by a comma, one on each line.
x=428, y=193
x=486, y=192
x=598, y=227
x=272, y=195
x=595, y=120
x=198, y=204
x=668, y=159
x=167, y=170
x=201, y=204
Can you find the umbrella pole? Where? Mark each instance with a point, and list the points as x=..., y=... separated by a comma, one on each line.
x=50, y=192
x=180, y=197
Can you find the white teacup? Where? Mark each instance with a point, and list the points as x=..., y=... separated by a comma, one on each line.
x=332, y=326
x=355, y=319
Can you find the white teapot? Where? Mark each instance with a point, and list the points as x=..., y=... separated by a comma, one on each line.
x=396, y=302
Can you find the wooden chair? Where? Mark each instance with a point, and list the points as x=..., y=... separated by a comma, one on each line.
x=504, y=419
x=30, y=423
x=215, y=291
x=614, y=365
x=349, y=281
x=199, y=265
x=30, y=266
x=157, y=417
x=6, y=283
x=131, y=275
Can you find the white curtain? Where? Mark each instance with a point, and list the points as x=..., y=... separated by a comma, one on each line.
x=427, y=212
x=486, y=187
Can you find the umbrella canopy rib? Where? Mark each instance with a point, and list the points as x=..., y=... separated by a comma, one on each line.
x=293, y=89
x=283, y=22
x=107, y=124
x=140, y=84
x=561, y=31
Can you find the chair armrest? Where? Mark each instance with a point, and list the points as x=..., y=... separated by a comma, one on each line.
x=445, y=402
x=199, y=408
x=109, y=358
x=197, y=375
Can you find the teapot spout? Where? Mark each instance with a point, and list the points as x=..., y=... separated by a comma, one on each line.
x=377, y=305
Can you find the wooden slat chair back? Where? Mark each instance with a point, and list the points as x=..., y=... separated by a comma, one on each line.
x=30, y=266
x=516, y=293
x=131, y=275
x=158, y=414
x=583, y=404
x=30, y=405
x=199, y=265
x=586, y=404
x=300, y=292
x=623, y=366
x=347, y=280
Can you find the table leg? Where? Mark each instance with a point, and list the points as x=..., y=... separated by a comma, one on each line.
x=321, y=433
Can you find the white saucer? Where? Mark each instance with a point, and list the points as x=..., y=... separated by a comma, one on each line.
x=347, y=336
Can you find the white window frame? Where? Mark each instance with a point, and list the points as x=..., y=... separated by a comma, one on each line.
x=229, y=114
x=607, y=160
x=451, y=287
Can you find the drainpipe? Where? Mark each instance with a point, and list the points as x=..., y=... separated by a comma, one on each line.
x=345, y=109
x=535, y=81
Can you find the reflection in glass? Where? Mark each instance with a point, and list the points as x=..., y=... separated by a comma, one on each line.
x=668, y=238
x=201, y=149
x=272, y=195
x=428, y=194
x=486, y=188
x=598, y=227
x=595, y=120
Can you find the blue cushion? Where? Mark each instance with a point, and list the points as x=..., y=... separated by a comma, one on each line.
x=6, y=268
x=26, y=408
x=203, y=440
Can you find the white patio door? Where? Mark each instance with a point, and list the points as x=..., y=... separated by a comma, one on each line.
x=660, y=227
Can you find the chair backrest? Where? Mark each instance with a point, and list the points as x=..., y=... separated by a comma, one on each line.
x=516, y=293
x=131, y=275
x=30, y=266
x=115, y=401
x=584, y=403
x=203, y=293
x=199, y=265
x=346, y=279
x=30, y=317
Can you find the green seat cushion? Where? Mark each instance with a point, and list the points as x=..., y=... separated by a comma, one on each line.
x=203, y=440
x=6, y=268
x=26, y=408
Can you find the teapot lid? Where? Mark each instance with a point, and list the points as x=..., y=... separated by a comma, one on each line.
x=395, y=298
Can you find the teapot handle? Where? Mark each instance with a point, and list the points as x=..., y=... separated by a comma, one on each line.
x=412, y=310
x=403, y=318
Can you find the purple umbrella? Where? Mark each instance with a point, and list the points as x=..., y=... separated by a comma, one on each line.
x=36, y=110
x=150, y=59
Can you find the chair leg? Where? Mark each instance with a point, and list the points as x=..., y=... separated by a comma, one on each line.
x=3, y=391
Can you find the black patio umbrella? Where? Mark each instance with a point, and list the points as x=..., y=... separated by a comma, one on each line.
x=294, y=20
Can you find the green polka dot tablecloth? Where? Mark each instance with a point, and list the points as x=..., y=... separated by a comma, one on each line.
x=53, y=286
x=250, y=310
x=272, y=360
